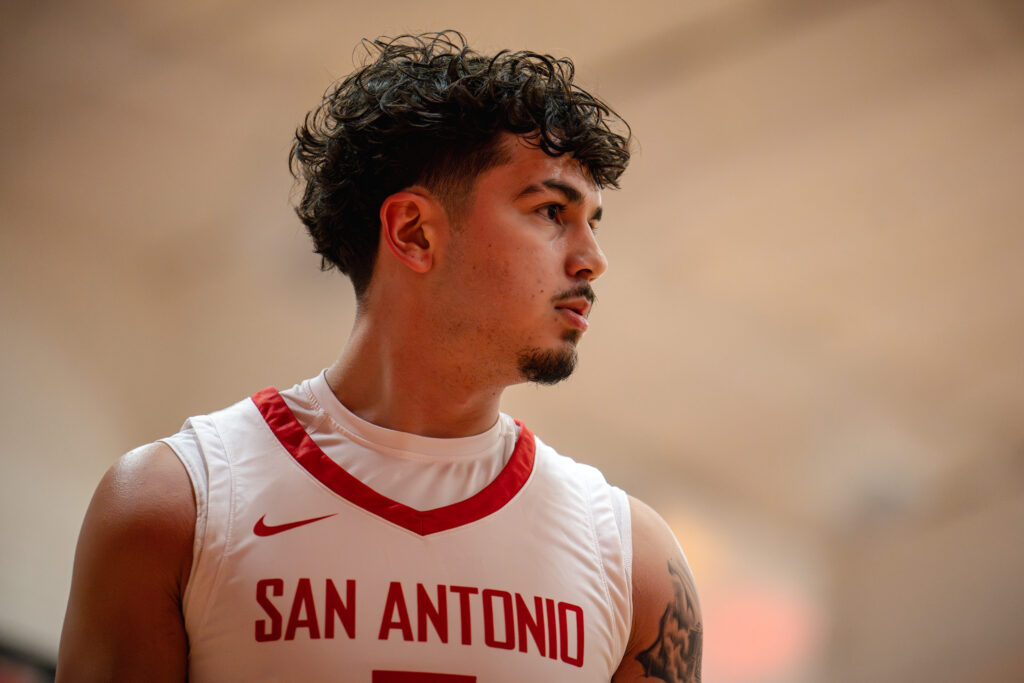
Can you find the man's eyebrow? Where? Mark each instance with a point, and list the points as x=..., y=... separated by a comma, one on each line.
x=572, y=195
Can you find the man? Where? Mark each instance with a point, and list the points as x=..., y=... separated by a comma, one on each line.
x=384, y=522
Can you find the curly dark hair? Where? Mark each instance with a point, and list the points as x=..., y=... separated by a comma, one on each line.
x=428, y=110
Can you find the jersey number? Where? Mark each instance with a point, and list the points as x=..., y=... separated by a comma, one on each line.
x=419, y=677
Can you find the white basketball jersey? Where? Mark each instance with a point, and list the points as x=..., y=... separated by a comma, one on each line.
x=301, y=572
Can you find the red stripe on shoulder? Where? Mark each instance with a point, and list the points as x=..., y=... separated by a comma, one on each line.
x=489, y=500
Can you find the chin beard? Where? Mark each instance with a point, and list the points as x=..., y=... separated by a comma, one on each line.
x=549, y=366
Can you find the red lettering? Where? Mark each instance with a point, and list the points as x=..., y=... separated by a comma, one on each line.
x=276, y=588
x=563, y=631
x=464, y=592
x=418, y=677
x=303, y=602
x=438, y=614
x=345, y=611
x=506, y=599
x=534, y=621
x=395, y=603
x=549, y=605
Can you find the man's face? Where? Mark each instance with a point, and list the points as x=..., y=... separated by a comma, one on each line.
x=521, y=260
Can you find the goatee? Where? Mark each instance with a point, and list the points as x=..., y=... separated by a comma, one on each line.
x=549, y=366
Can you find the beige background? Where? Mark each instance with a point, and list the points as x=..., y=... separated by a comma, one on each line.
x=808, y=352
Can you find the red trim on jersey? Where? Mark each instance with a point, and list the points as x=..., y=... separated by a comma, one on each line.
x=490, y=499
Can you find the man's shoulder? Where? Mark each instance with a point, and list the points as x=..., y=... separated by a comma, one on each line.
x=133, y=558
x=667, y=636
x=576, y=470
x=143, y=502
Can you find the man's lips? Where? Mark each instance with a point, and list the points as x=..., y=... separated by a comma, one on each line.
x=574, y=312
x=578, y=305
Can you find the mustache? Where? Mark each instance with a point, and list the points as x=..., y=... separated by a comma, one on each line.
x=581, y=290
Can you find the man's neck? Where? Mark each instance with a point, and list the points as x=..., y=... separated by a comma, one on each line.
x=406, y=387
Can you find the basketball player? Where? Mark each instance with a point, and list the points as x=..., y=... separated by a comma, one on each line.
x=383, y=522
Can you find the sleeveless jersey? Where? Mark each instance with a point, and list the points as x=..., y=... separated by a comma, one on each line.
x=301, y=572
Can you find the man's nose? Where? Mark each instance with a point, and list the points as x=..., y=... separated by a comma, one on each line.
x=587, y=260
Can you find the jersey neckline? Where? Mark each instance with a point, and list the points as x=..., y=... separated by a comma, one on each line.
x=293, y=437
x=494, y=442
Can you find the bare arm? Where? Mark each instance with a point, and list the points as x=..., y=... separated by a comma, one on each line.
x=134, y=554
x=665, y=644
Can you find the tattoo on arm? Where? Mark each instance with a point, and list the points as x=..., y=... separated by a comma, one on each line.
x=674, y=656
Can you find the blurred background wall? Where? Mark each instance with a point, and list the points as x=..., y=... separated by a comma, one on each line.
x=808, y=353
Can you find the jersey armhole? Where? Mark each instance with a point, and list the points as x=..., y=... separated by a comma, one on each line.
x=185, y=445
x=624, y=523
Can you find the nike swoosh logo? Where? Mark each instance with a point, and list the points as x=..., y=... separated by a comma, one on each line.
x=263, y=529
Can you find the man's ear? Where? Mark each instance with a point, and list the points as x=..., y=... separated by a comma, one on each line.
x=412, y=225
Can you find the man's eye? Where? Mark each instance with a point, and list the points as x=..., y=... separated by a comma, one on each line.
x=552, y=211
